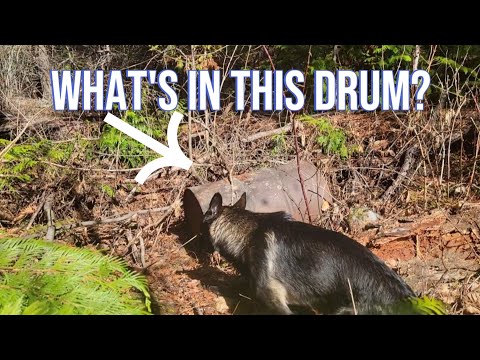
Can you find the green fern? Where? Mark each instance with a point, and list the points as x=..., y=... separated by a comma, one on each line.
x=23, y=162
x=428, y=306
x=420, y=306
x=332, y=140
x=37, y=277
x=130, y=152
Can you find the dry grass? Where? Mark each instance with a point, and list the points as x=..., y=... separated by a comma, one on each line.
x=17, y=75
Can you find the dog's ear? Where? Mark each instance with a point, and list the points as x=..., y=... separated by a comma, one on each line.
x=242, y=202
x=215, y=208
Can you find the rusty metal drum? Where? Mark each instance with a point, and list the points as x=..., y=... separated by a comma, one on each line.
x=267, y=189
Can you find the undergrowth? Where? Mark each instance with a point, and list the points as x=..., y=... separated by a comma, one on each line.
x=38, y=277
x=332, y=140
x=23, y=162
x=129, y=151
x=421, y=306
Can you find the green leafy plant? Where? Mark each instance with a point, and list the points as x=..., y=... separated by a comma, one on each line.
x=421, y=306
x=279, y=143
x=38, y=277
x=25, y=161
x=108, y=190
x=332, y=140
x=455, y=65
x=129, y=151
x=390, y=56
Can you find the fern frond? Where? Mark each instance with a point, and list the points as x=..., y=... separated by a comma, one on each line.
x=37, y=277
x=420, y=306
x=428, y=306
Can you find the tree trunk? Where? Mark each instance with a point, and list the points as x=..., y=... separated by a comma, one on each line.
x=43, y=63
x=416, y=57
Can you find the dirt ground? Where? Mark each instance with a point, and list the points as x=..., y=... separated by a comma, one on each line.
x=194, y=286
x=435, y=253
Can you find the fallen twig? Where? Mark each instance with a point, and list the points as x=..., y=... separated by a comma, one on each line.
x=110, y=220
x=131, y=194
x=142, y=252
x=50, y=236
x=187, y=242
x=131, y=244
x=88, y=169
x=410, y=159
x=267, y=133
x=37, y=211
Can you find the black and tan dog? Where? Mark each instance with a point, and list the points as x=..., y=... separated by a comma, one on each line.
x=297, y=264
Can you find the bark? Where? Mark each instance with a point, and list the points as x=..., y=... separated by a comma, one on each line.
x=44, y=67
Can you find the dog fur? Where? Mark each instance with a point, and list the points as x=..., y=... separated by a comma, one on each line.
x=298, y=264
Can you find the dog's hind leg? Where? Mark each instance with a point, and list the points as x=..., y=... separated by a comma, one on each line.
x=274, y=295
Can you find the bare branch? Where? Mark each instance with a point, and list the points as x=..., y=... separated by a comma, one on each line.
x=267, y=133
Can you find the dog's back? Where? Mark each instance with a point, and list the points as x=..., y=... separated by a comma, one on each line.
x=293, y=263
x=318, y=267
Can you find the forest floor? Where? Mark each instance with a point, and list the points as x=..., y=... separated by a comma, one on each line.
x=434, y=248
x=435, y=254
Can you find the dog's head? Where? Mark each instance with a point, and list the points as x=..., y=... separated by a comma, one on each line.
x=216, y=208
x=220, y=226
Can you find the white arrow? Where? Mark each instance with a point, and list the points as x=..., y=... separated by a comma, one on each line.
x=172, y=155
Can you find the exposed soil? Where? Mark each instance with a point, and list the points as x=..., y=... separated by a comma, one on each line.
x=442, y=264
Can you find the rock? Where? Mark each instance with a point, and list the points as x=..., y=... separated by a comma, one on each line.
x=361, y=218
x=221, y=305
